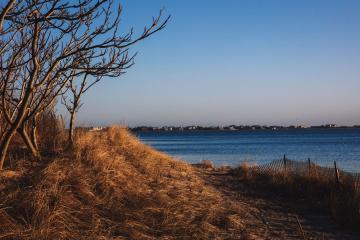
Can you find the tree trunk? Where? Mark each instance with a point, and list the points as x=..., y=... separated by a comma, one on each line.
x=21, y=113
x=29, y=144
x=4, y=145
x=9, y=134
x=33, y=135
x=71, y=129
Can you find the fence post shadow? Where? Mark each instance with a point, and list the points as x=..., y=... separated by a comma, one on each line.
x=337, y=177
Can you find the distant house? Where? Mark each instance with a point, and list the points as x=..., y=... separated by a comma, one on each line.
x=190, y=128
x=93, y=129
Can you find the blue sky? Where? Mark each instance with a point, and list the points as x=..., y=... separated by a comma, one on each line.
x=237, y=62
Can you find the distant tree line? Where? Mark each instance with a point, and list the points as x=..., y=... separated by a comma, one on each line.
x=235, y=127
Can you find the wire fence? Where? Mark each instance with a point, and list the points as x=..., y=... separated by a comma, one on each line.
x=308, y=168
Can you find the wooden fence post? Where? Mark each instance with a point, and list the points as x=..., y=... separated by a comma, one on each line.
x=336, y=173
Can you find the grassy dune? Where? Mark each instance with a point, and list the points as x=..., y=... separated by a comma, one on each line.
x=112, y=187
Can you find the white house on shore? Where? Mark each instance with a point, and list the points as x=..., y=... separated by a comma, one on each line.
x=93, y=129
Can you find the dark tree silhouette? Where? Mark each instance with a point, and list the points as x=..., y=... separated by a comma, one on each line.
x=48, y=44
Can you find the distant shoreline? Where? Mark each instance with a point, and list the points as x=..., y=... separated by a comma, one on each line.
x=235, y=128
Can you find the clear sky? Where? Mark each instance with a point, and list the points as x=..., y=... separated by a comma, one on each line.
x=237, y=62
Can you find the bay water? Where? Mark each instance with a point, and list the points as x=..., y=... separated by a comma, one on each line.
x=323, y=146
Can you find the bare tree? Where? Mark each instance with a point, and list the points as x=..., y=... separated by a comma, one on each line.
x=5, y=11
x=4, y=41
x=71, y=99
x=50, y=43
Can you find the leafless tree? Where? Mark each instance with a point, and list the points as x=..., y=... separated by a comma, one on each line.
x=45, y=44
x=71, y=98
x=5, y=11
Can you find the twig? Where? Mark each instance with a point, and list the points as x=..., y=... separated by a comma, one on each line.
x=301, y=229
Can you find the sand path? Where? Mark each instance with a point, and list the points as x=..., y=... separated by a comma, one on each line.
x=273, y=217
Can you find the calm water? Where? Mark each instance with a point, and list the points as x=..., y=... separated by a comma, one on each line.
x=232, y=147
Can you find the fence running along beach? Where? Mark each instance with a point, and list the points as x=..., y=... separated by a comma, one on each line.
x=329, y=188
x=289, y=167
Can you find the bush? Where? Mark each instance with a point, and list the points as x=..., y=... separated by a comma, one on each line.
x=51, y=133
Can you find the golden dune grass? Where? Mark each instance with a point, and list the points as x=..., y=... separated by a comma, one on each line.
x=112, y=187
x=340, y=199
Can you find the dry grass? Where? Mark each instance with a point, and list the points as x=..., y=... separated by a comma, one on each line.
x=205, y=164
x=112, y=187
x=340, y=199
